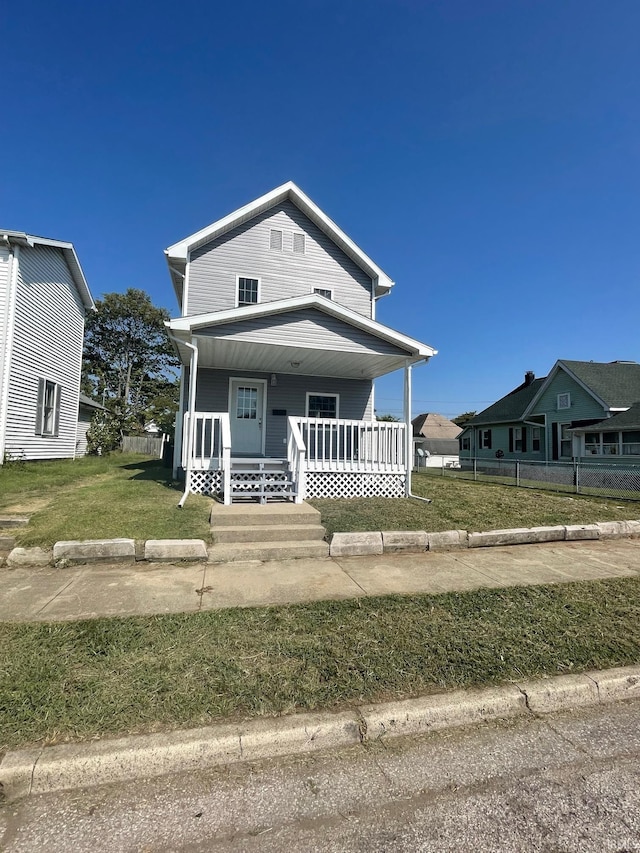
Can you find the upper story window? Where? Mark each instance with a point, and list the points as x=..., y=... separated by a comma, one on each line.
x=322, y=405
x=564, y=401
x=298, y=243
x=48, y=409
x=248, y=291
x=323, y=291
x=275, y=239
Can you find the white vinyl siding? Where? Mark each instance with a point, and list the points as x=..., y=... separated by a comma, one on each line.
x=4, y=318
x=316, y=329
x=213, y=268
x=48, y=332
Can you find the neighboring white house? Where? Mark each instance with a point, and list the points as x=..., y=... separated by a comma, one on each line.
x=43, y=300
x=86, y=410
x=435, y=441
x=280, y=345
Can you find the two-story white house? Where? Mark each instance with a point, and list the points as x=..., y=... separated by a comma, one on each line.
x=280, y=346
x=43, y=300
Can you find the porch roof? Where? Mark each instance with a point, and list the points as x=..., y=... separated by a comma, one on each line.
x=230, y=340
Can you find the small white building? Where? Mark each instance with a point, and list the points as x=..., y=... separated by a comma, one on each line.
x=43, y=301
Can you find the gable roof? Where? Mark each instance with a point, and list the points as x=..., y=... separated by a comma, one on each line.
x=613, y=384
x=510, y=408
x=433, y=426
x=178, y=254
x=20, y=238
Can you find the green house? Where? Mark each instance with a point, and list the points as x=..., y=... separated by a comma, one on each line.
x=582, y=410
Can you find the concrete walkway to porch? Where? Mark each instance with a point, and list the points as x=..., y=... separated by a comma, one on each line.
x=124, y=590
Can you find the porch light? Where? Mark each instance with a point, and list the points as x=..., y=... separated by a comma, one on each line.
x=274, y=379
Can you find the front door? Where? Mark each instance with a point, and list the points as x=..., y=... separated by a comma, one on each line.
x=246, y=410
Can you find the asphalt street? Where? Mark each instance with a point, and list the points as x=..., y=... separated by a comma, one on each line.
x=568, y=782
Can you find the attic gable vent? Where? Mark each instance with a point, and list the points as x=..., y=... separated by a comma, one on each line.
x=298, y=243
x=275, y=240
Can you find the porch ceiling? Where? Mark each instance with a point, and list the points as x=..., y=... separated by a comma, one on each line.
x=228, y=354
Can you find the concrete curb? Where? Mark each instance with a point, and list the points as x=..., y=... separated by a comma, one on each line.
x=82, y=765
x=363, y=544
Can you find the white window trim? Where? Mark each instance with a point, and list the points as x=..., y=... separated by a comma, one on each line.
x=568, y=406
x=330, y=289
x=55, y=411
x=237, y=295
x=322, y=394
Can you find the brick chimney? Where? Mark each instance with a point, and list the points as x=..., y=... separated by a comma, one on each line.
x=528, y=378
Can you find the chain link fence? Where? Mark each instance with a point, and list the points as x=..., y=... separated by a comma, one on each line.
x=619, y=481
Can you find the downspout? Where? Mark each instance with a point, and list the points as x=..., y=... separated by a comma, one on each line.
x=409, y=429
x=193, y=375
x=6, y=339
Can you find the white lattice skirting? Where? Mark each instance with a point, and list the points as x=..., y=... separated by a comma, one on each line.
x=205, y=482
x=342, y=484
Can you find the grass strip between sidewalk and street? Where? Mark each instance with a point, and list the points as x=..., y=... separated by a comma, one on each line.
x=78, y=680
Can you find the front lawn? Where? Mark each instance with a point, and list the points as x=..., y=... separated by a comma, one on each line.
x=121, y=495
x=465, y=505
x=133, y=496
x=74, y=680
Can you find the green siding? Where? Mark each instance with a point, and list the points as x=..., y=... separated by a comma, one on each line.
x=583, y=405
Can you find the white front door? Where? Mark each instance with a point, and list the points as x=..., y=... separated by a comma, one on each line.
x=246, y=410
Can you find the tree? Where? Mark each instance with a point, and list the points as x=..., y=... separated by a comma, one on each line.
x=387, y=418
x=464, y=418
x=129, y=364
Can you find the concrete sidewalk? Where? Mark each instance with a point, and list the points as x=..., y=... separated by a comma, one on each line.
x=29, y=594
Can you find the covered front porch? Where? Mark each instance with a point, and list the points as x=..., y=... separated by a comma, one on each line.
x=280, y=403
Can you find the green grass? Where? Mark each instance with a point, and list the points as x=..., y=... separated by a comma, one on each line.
x=466, y=505
x=122, y=495
x=75, y=680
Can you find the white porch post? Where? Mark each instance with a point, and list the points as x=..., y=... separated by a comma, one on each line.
x=193, y=378
x=179, y=425
x=408, y=438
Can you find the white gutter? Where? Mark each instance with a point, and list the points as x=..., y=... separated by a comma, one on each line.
x=191, y=406
x=8, y=334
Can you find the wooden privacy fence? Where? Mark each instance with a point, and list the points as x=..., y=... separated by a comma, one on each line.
x=150, y=445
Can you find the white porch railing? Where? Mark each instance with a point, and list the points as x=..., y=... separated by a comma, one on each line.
x=364, y=447
x=206, y=446
x=296, y=454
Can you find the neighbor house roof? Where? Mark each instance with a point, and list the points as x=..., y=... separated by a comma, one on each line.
x=89, y=403
x=178, y=253
x=511, y=407
x=621, y=420
x=21, y=238
x=616, y=383
x=434, y=426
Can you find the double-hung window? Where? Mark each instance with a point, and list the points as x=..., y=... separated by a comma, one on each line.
x=48, y=408
x=248, y=291
x=322, y=405
x=484, y=439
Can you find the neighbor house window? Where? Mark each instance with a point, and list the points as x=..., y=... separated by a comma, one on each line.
x=298, y=243
x=248, y=290
x=535, y=439
x=322, y=405
x=465, y=443
x=485, y=439
x=275, y=239
x=564, y=401
x=517, y=440
x=631, y=443
x=323, y=291
x=612, y=443
x=565, y=440
x=48, y=410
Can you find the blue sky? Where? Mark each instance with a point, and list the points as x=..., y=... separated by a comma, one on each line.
x=485, y=153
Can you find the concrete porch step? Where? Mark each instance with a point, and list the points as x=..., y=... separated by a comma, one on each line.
x=283, y=550
x=261, y=515
x=259, y=533
x=13, y=521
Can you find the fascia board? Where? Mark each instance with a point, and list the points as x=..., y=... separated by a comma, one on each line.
x=69, y=254
x=217, y=318
x=290, y=191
